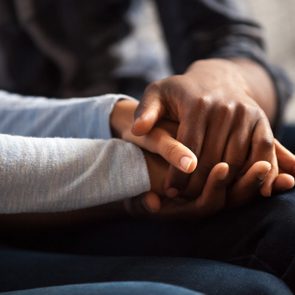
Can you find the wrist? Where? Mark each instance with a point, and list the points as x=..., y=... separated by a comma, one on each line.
x=121, y=118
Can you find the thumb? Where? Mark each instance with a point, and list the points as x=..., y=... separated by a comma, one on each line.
x=148, y=112
x=286, y=159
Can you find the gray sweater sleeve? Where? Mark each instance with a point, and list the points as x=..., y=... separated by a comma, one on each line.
x=59, y=174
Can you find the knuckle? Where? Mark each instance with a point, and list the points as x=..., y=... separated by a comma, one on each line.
x=169, y=150
x=174, y=83
x=203, y=103
x=192, y=108
x=260, y=115
x=248, y=110
x=175, y=79
x=265, y=143
x=151, y=88
x=241, y=109
x=259, y=112
x=225, y=109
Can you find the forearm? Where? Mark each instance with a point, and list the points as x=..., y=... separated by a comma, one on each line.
x=42, y=117
x=57, y=174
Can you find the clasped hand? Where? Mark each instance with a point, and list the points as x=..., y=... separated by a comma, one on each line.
x=216, y=137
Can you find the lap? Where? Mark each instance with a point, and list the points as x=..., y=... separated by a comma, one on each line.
x=258, y=236
x=226, y=236
x=114, y=288
x=24, y=269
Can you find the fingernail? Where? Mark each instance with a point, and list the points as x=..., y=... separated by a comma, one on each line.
x=171, y=192
x=185, y=163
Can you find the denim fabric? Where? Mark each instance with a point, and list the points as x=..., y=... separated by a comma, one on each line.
x=115, y=288
x=23, y=269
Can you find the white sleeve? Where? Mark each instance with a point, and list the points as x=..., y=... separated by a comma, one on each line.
x=60, y=174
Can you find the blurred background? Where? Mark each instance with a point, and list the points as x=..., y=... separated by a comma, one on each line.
x=278, y=20
x=276, y=17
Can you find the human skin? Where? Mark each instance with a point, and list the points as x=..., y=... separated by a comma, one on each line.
x=160, y=140
x=225, y=109
x=216, y=195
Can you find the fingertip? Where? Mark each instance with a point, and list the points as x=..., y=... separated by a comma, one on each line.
x=284, y=182
x=224, y=165
x=290, y=182
x=265, y=191
x=151, y=202
x=223, y=170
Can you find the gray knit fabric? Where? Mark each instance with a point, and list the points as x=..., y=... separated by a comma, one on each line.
x=57, y=174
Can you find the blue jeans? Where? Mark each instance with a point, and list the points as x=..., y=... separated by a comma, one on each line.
x=114, y=288
x=246, y=251
x=27, y=269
